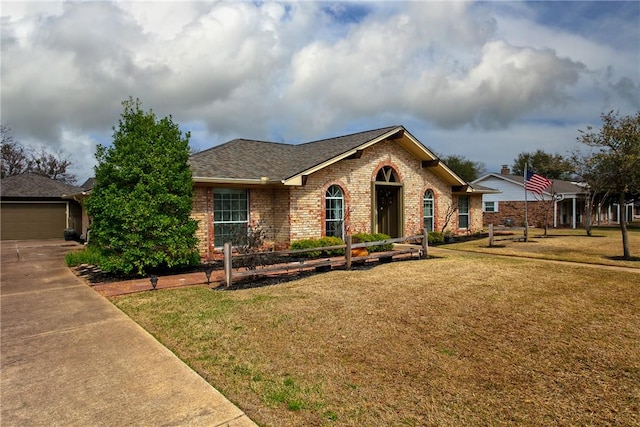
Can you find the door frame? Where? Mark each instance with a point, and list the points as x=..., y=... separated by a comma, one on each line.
x=374, y=205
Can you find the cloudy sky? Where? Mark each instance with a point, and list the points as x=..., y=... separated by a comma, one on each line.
x=485, y=80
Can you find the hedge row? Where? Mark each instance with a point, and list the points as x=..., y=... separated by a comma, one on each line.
x=319, y=243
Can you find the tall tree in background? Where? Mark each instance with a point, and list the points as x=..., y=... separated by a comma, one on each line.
x=612, y=164
x=552, y=166
x=18, y=159
x=14, y=156
x=142, y=199
x=465, y=168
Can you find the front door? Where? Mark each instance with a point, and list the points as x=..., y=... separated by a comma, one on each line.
x=388, y=209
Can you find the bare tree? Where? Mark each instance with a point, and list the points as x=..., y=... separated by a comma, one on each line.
x=613, y=162
x=54, y=165
x=18, y=159
x=15, y=159
x=452, y=208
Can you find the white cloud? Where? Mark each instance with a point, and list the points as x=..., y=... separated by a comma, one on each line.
x=306, y=70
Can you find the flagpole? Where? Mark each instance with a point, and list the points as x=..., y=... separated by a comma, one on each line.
x=526, y=210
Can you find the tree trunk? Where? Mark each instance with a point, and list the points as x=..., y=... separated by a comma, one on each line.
x=623, y=227
x=587, y=217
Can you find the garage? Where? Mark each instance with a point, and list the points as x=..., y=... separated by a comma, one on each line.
x=24, y=221
x=37, y=207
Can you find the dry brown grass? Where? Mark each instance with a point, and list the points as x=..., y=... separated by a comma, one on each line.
x=604, y=246
x=459, y=340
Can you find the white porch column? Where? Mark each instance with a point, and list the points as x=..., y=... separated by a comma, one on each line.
x=573, y=214
x=555, y=214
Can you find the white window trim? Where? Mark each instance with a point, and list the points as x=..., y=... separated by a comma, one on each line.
x=341, y=220
x=223, y=222
x=466, y=214
x=495, y=206
x=432, y=217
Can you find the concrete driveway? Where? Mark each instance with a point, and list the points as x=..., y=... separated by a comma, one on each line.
x=69, y=357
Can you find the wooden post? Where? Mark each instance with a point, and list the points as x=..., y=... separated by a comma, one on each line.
x=425, y=243
x=491, y=234
x=226, y=251
x=347, y=252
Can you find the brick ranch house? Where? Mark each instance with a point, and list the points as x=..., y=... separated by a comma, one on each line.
x=377, y=181
x=507, y=206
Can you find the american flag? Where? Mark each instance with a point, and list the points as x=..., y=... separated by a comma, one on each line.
x=536, y=183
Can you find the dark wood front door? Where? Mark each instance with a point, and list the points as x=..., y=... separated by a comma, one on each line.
x=388, y=209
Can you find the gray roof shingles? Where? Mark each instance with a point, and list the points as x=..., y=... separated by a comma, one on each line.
x=248, y=159
x=35, y=186
x=559, y=186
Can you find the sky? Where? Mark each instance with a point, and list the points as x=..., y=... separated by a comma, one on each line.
x=482, y=80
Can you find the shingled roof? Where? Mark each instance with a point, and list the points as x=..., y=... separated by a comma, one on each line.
x=243, y=159
x=34, y=186
x=559, y=186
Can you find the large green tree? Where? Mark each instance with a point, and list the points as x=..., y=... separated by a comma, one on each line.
x=611, y=165
x=141, y=202
x=552, y=166
x=465, y=168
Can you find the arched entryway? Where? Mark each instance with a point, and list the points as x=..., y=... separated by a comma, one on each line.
x=387, y=199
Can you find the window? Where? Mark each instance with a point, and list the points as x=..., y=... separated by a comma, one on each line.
x=491, y=206
x=428, y=210
x=230, y=215
x=387, y=174
x=334, y=212
x=463, y=211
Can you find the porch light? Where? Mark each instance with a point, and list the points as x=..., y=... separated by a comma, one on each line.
x=154, y=281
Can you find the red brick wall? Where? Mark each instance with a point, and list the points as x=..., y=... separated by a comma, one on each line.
x=514, y=211
x=269, y=209
x=203, y=213
x=355, y=176
x=293, y=213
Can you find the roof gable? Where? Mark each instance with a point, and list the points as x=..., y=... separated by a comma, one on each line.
x=558, y=186
x=248, y=161
x=35, y=186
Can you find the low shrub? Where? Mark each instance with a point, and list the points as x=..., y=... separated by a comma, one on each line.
x=366, y=237
x=318, y=243
x=109, y=262
x=435, y=237
x=89, y=255
x=381, y=248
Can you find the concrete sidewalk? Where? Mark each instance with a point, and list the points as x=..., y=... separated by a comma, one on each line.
x=69, y=357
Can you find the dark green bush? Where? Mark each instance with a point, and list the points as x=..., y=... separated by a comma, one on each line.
x=435, y=237
x=142, y=199
x=366, y=237
x=319, y=243
x=332, y=241
x=306, y=244
x=380, y=248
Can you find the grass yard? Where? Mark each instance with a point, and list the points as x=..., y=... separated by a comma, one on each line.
x=461, y=339
x=604, y=246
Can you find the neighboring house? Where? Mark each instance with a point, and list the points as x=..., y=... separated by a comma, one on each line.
x=561, y=205
x=610, y=213
x=80, y=197
x=34, y=207
x=378, y=181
